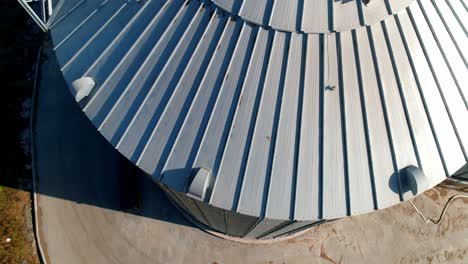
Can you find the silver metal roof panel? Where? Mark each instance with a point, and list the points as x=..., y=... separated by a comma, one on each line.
x=291, y=125
x=312, y=16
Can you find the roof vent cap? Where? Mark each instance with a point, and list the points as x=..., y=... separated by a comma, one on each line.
x=82, y=87
x=199, y=184
x=413, y=179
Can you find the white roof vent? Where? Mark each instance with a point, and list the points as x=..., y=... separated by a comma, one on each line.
x=414, y=180
x=199, y=184
x=82, y=87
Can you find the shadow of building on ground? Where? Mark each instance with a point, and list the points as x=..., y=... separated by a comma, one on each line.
x=73, y=161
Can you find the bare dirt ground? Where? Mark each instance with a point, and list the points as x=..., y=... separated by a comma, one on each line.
x=16, y=226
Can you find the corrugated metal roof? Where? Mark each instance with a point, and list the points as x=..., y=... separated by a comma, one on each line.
x=291, y=125
x=312, y=16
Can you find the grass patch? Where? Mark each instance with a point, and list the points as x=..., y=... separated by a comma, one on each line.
x=15, y=206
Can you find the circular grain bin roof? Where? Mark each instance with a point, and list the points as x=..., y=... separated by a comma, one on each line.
x=290, y=123
x=312, y=16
